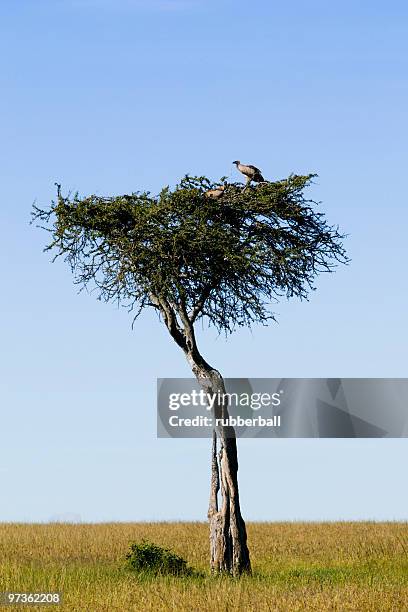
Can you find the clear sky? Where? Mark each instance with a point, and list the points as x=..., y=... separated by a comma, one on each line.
x=110, y=96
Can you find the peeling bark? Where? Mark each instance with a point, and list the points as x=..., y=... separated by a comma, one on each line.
x=228, y=538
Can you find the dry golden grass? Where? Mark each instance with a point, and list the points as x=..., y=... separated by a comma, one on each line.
x=296, y=566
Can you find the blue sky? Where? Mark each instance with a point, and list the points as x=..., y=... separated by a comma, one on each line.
x=108, y=97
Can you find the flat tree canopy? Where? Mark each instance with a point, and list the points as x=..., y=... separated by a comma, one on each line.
x=224, y=259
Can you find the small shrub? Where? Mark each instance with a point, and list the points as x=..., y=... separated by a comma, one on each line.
x=145, y=557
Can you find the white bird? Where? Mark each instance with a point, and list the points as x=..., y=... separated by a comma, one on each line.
x=252, y=173
x=216, y=193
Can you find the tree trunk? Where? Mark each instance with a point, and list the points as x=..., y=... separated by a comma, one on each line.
x=228, y=538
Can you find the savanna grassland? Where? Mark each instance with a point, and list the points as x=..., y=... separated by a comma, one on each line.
x=296, y=566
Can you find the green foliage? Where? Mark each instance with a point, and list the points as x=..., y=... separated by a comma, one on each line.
x=224, y=260
x=147, y=558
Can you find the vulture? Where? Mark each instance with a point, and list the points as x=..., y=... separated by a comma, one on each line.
x=216, y=193
x=250, y=172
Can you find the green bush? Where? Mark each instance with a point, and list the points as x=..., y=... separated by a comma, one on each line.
x=146, y=557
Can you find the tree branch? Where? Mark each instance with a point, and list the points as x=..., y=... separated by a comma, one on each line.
x=198, y=307
x=170, y=320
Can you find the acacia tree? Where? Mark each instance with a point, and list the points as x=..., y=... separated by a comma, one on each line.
x=190, y=257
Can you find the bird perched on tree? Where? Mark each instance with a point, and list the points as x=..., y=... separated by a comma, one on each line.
x=216, y=193
x=252, y=173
